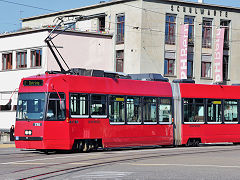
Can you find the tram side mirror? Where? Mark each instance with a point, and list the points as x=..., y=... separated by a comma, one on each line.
x=62, y=105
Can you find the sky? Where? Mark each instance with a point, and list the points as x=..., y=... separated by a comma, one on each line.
x=11, y=11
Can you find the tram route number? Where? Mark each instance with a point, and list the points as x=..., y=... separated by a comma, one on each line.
x=37, y=124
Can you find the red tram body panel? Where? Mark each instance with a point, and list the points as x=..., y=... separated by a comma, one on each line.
x=62, y=134
x=211, y=132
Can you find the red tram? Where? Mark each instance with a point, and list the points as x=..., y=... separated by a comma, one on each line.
x=57, y=111
x=60, y=111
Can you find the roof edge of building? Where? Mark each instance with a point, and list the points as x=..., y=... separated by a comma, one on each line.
x=203, y=4
x=123, y=1
x=76, y=9
x=27, y=31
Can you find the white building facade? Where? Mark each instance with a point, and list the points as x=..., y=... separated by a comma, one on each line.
x=146, y=35
x=25, y=54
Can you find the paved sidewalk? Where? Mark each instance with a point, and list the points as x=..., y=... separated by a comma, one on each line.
x=7, y=144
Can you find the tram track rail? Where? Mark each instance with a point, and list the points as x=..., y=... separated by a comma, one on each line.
x=112, y=157
x=29, y=154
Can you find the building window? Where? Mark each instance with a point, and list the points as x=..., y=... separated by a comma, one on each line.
x=7, y=107
x=21, y=59
x=225, y=67
x=169, y=63
x=119, y=60
x=207, y=33
x=190, y=20
x=101, y=24
x=71, y=26
x=206, y=69
x=170, y=29
x=36, y=58
x=7, y=61
x=120, y=28
x=190, y=56
x=225, y=24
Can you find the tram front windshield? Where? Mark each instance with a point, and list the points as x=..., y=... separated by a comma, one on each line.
x=31, y=106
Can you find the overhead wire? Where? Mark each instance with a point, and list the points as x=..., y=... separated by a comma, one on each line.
x=30, y=6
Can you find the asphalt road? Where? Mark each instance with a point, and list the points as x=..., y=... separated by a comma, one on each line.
x=205, y=162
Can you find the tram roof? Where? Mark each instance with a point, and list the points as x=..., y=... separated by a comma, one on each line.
x=209, y=91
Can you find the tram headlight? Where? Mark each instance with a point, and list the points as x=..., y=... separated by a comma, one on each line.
x=28, y=132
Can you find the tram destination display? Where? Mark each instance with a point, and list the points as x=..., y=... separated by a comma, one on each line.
x=33, y=83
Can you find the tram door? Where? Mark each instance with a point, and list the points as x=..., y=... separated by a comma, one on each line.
x=55, y=116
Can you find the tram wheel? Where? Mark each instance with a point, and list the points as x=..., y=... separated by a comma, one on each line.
x=193, y=142
x=85, y=147
x=196, y=143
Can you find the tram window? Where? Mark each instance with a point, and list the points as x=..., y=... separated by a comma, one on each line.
x=134, y=110
x=193, y=110
x=214, y=111
x=98, y=105
x=30, y=106
x=79, y=105
x=116, y=109
x=149, y=110
x=230, y=111
x=165, y=111
x=56, y=107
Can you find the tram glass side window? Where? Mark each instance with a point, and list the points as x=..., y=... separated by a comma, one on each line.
x=79, y=104
x=149, y=110
x=116, y=109
x=98, y=105
x=193, y=110
x=56, y=107
x=133, y=109
x=165, y=110
x=214, y=111
x=230, y=111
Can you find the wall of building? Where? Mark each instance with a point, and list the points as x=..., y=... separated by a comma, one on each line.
x=132, y=40
x=153, y=47
x=144, y=42
x=82, y=50
x=10, y=79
